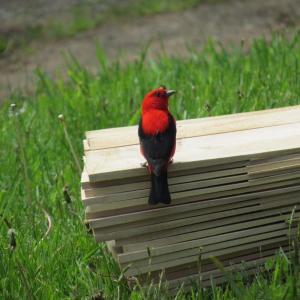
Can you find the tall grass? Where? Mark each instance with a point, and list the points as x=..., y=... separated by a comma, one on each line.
x=48, y=253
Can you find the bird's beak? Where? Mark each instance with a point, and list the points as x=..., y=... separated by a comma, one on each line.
x=170, y=92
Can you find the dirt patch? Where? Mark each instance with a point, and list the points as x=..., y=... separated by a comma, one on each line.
x=227, y=22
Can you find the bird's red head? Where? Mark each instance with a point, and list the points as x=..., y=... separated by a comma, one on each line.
x=157, y=99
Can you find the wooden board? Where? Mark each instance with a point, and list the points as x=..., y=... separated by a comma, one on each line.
x=194, y=216
x=191, y=232
x=242, y=262
x=204, y=177
x=103, y=209
x=212, y=250
x=87, y=184
x=271, y=168
x=234, y=182
x=220, y=276
x=234, y=257
x=208, y=237
x=205, y=265
x=274, y=178
x=115, y=137
x=119, y=162
x=162, y=212
x=86, y=146
x=103, y=234
x=213, y=184
x=176, y=258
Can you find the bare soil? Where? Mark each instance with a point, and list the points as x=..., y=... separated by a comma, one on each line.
x=228, y=22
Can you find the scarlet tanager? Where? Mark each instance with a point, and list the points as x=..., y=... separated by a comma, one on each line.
x=157, y=134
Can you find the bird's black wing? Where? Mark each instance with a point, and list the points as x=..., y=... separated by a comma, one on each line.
x=158, y=148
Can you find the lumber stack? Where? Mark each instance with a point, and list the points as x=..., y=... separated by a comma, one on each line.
x=234, y=183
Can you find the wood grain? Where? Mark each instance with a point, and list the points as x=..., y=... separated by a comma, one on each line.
x=161, y=212
x=234, y=183
x=103, y=234
x=119, y=162
x=124, y=136
x=211, y=250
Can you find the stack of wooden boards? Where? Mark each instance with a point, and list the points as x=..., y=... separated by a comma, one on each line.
x=234, y=183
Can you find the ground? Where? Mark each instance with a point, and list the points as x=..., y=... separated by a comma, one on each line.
x=232, y=21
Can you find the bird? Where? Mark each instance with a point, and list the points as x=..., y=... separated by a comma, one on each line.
x=157, y=136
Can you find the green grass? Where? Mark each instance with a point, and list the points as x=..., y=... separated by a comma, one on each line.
x=39, y=178
x=85, y=17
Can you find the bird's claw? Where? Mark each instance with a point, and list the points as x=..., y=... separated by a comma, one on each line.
x=144, y=165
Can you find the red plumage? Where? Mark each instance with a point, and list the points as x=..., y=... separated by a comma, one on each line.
x=157, y=134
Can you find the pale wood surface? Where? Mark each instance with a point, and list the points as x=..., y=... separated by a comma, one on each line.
x=162, y=212
x=204, y=177
x=181, y=187
x=188, y=196
x=234, y=257
x=98, y=211
x=175, y=272
x=191, y=255
x=107, y=234
x=212, y=250
x=86, y=146
x=119, y=162
x=87, y=184
x=208, y=237
x=185, y=233
x=218, y=276
x=124, y=136
x=242, y=262
x=234, y=182
x=213, y=184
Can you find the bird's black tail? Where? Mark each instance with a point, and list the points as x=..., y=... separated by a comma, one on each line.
x=159, y=192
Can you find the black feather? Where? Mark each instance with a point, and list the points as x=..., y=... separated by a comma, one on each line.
x=157, y=151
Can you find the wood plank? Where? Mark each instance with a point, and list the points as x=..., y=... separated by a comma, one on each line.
x=182, y=271
x=219, y=274
x=183, y=215
x=153, y=223
x=221, y=235
x=112, y=249
x=178, y=197
x=142, y=269
x=185, y=196
x=183, y=218
x=242, y=264
x=104, y=234
x=119, y=162
x=92, y=192
x=162, y=212
x=190, y=232
x=94, y=212
x=273, y=167
x=236, y=256
x=115, y=137
x=270, y=160
x=208, y=265
x=274, y=178
x=86, y=146
x=145, y=178
x=213, y=184
x=276, y=172
x=210, y=251
x=194, y=252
